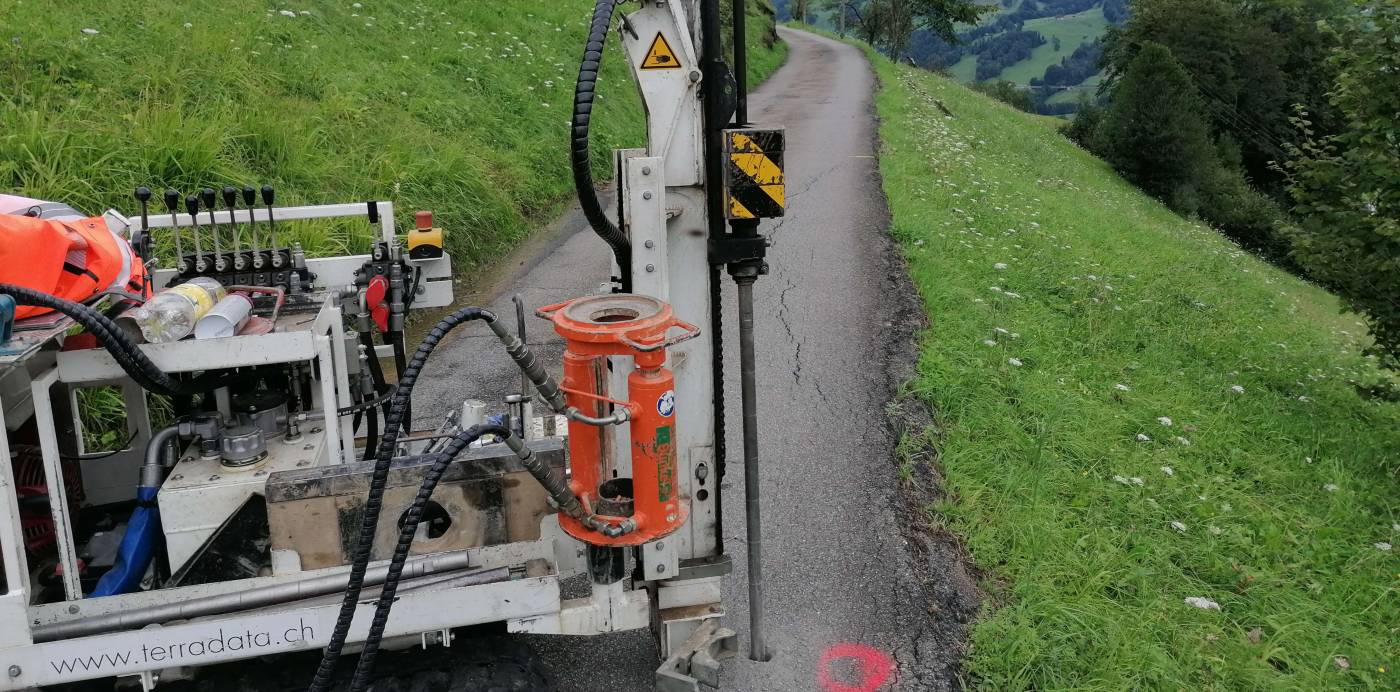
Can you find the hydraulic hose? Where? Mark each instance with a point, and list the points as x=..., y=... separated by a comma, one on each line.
x=396, y=340
x=393, y=424
x=376, y=370
x=372, y=434
x=584, y=91
x=554, y=483
x=408, y=528
x=139, y=543
x=129, y=356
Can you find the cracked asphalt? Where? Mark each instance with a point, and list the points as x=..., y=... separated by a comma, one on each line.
x=836, y=332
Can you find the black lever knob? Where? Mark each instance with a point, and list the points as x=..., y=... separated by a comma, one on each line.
x=268, y=194
x=192, y=205
x=172, y=200
x=143, y=195
x=249, y=196
x=207, y=196
x=230, y=196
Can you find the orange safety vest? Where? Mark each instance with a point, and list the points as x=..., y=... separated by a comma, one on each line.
x=73, y=259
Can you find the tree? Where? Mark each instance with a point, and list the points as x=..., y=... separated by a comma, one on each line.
x=1251, y=60
x=1345, y=187
x=1153, y=132
x=846, y=13
x=888, y=24
x=800, y=10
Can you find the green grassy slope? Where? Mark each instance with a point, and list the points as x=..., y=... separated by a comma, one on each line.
x=459, y=107
x=1132, y=412
x=1072, y=30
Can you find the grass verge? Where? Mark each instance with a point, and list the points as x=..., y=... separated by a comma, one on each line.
x=459, y=107
x=1133, y=412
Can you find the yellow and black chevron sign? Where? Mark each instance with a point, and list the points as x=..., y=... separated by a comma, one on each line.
x=753, y=179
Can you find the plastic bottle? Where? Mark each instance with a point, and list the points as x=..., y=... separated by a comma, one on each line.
x=172, y=313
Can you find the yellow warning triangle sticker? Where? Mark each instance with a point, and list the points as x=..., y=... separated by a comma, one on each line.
x=660, y=56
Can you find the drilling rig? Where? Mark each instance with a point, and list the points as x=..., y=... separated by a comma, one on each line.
x=270, y=493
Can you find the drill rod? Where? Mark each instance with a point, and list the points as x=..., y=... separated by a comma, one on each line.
x=758, y=649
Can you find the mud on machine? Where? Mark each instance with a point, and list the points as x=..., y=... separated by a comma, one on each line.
x=268, y=493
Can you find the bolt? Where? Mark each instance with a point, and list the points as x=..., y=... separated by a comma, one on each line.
x=650, y=244
x=646, y=195
x=660, y=545
x=177, y=477
x=15, y=671
x=315, y=430
x=214, y=477
x=646, y=170
x=661, y=569
x=702, y=472
x=694, y=75
x=651, y=268
x=72, y=610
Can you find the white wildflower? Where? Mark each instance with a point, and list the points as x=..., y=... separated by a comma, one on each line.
x=1215, y=530
x=1000, y=266
x=1015, y=362
x=1122, y=479
x=1237, y=389
x=1180, y=527
x=1165, y=421
x=1143, y=438
x=1331, y=487
x=1137, y=481
x=1168, y=471
x=91, y=32
x=287, y=13
x=1182, y=441
x=990, y=342
x=1122, y=387
x=1382, y=546
x=1202, y=603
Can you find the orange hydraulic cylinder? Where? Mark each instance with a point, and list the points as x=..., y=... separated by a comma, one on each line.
x=649, y=501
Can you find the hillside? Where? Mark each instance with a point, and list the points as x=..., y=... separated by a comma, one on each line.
x=458, y=107
x=1155, y=447
x=1048, y=47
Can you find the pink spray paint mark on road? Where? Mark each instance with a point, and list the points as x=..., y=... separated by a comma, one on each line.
x=872, y=665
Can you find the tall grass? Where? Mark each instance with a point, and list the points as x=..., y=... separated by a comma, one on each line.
x=1133, y=412
x=458, y=107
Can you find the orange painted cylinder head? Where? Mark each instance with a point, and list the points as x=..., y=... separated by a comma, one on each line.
x=622, y=325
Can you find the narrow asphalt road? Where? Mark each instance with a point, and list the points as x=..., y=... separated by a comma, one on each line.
x=835, y=328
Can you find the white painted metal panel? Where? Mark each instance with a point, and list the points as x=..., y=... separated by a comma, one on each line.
x=238, y=637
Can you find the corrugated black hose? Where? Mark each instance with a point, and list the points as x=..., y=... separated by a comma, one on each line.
x=584, y=92
x=553, y=482
x=408, y=528
x=393, y=424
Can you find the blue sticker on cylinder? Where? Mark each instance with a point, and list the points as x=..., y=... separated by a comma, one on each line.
x=666, y=405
